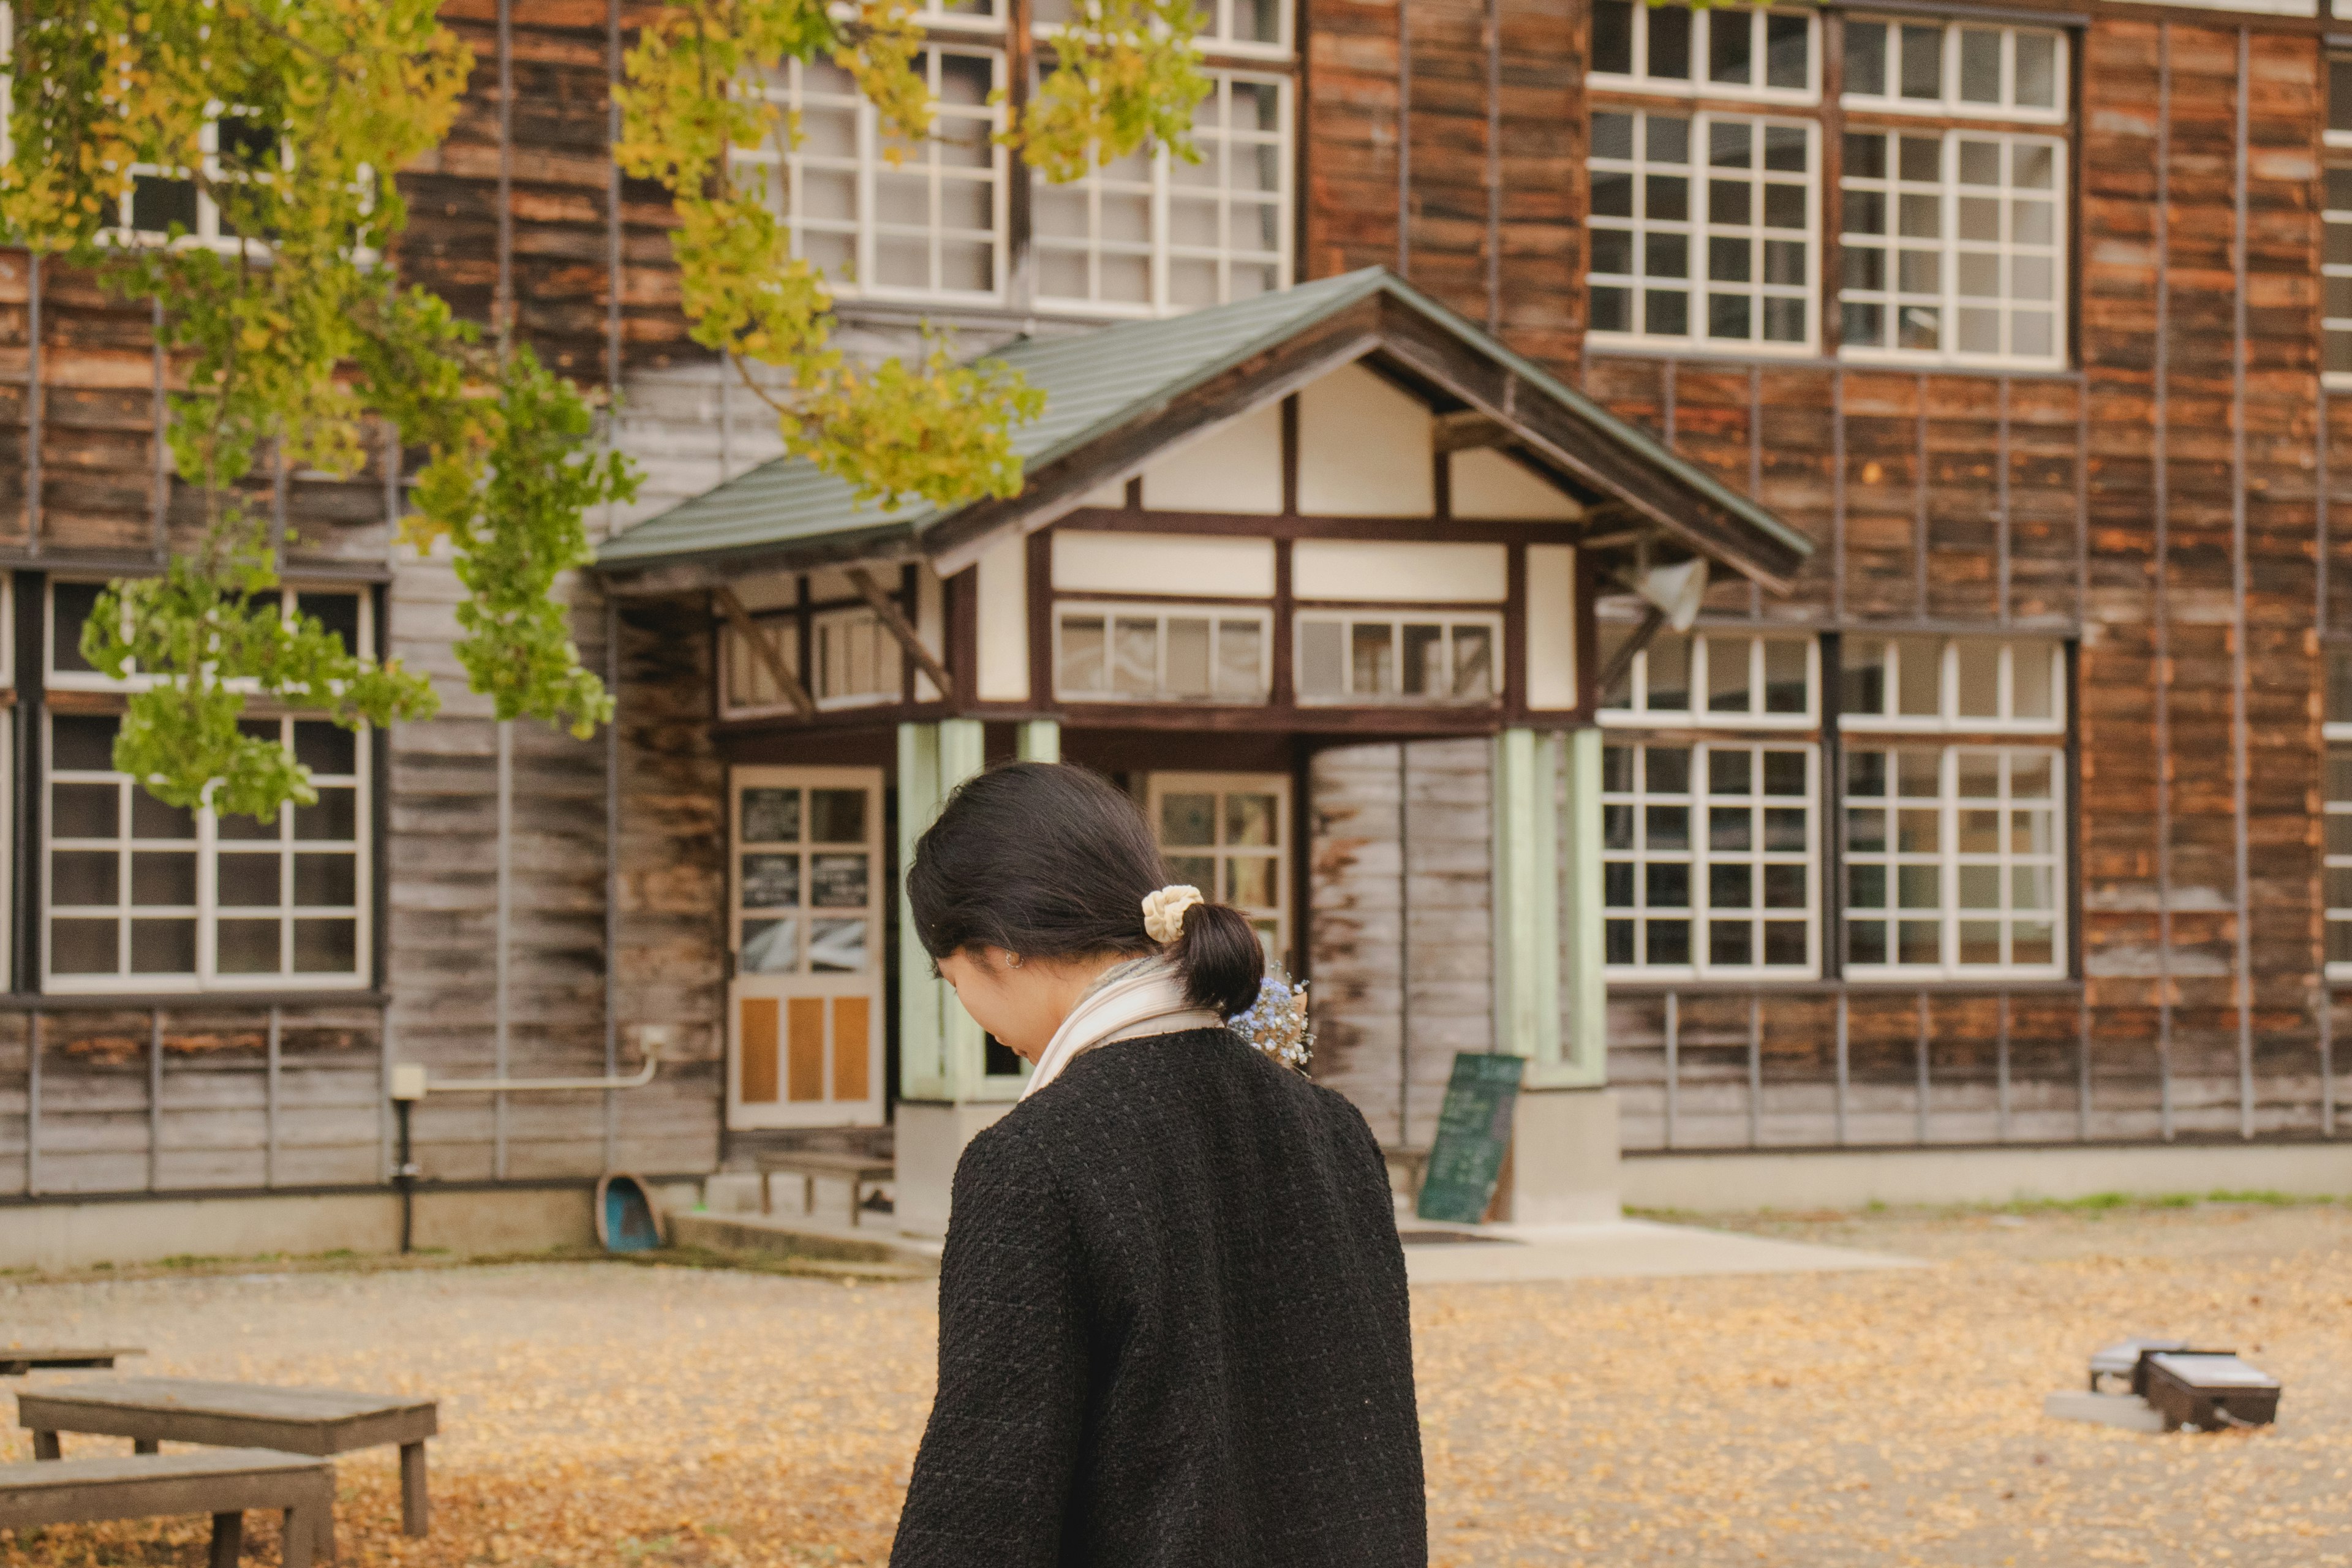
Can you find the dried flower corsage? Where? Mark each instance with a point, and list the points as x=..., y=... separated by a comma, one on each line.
x=1276, y=1022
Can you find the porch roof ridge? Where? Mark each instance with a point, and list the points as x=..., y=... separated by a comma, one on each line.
x=1098, y=383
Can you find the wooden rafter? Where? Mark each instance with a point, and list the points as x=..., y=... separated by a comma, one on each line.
x=1467, y=430
x=764, y=650
x=895, y=621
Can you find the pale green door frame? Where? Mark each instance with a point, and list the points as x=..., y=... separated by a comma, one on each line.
x=943, y=1055
x=1546, y=906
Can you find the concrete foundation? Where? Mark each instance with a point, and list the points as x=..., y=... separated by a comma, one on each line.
x=1564, y=1168
x=61, y=1236
x=929, y=1140
x=1850, y=1178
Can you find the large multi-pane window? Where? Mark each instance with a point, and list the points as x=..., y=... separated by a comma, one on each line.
x=2336, y=812
x=942, y=218
x=1703, y=229
x=1152, y=233
x=2336, y=255
x=1157, y=653
x=1368, y=657
x=1708, y=858
x=1949, y=206
x=1947, y=808
x=141, y=896
x=1952, y=246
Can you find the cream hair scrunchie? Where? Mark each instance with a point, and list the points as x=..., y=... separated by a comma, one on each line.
x=1163, y=911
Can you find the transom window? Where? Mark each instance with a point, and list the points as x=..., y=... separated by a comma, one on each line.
x=1711, y=678
x=1146, y=653
x=138, y=894
x=1955, y=68
x=1952, y=861
x=1952, y=247
x=1721, y=51
x=1151, y=235
x=1707, y=856
x=932, y=223
x=1965, y=683
x=1412, y=657
x=1703, y=229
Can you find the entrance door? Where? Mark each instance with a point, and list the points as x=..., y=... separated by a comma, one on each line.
x=1229, y=836
x=805, y=1003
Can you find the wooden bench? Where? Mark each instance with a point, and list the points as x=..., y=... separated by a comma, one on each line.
x=223, y=1482
x=859, y=1170
x=321, y=1422
x=16, y=1361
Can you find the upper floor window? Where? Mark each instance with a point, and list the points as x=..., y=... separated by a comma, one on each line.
x=346, y=613
x=1720, y=51
x=1151, y=235
x=933, y=223
x=161, y=201
x=1703, y=229
x=2336, y=812
x=1227, y=27
x=1955, y=68
x=1953, y=247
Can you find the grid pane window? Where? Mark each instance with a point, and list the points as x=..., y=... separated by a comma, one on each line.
x=858, y=659
x=1710, y=678
x=1357, y=658
x=1952, y=861
x=1150, y=234
x=139, y=893
x=1961, y=68
x=172, y=204
x=1227, y=27
x=931, y=224
x=1722, y=51
x=1952, y=247
x=1708, y=855
x=342, y=613
x=805, y=891
x=1955, y=683
x=1703, y=229
x=1109, y=653
x=2336, y=820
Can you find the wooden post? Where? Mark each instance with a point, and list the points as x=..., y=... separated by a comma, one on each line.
x=1584, y=1052
x=1527, y=899
x=1039, y=739
x=939, y=1048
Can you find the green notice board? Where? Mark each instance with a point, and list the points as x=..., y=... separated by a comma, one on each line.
x=1473, y=1130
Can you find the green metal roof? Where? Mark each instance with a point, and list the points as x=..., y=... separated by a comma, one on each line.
x=1094, y=382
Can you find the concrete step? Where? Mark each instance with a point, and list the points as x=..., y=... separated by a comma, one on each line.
x=807, y=1237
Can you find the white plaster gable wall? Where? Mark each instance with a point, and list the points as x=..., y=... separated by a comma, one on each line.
x=1236, y=467
x=1493, y=487
x=1364, y=449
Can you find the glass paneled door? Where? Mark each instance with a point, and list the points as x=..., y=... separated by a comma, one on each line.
x=805, y=1004
x=1229, y=836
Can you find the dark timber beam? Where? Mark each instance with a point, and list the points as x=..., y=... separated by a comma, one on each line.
x=894, y=622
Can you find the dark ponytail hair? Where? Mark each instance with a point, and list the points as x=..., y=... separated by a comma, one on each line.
x=1050, y=860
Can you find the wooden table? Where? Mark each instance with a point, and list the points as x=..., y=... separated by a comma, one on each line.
x=223, y=1482
x=319, y=1421
x=808, y=1164
x=16, y=1361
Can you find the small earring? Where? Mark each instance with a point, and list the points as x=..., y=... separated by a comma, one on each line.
x=1012, y=959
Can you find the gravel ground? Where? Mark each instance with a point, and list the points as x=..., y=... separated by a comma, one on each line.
x=599, y=1414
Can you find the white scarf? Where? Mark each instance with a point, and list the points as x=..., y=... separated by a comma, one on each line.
x=1142, y=996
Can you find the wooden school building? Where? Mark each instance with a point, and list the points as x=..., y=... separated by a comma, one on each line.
x=1979, y=837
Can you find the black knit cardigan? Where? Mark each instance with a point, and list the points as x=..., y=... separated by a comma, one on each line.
x=1173, y=1330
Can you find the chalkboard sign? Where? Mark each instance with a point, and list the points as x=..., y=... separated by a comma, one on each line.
x=1473, y=1131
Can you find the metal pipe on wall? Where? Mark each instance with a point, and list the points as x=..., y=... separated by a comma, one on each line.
x=502, y=920
x=2241, y=745
x=2160, y=632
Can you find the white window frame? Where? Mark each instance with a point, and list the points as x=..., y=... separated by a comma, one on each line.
x=1949, y=101
x=1215, y=612
x=1706, y=645
x=1163, y=189
x=1700, y=802
x=1703, y=23
x=1273, y=922
x=866, y=164
x=1216, y=35
x=2009, y=254
x=207, y=911
x=289, y=595
x=1396, y=619
x=2334, y=808
x=1948, y=719
x=1702, y=234
x=1950, y=860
